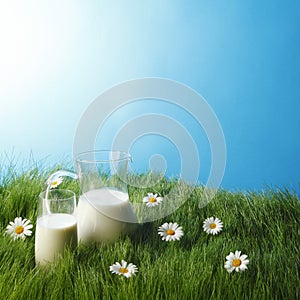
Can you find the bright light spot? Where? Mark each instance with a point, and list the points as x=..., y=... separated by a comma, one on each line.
x=36, y=39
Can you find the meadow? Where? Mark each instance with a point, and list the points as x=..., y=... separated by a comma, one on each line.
x=263, y=225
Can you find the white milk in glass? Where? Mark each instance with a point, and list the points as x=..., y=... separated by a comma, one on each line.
x=53, y=233
x=106, y=218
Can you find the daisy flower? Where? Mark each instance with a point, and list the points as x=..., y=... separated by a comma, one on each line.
x=212, y=225
x=152, y=200
x=170, y=231
x=236, y=261
x=123, y=269
x=55, y=183
x=19, y=228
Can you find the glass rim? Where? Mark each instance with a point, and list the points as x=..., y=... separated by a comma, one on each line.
x=80, y=157
x=72, y=194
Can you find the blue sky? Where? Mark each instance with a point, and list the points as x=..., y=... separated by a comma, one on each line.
x=241, y=56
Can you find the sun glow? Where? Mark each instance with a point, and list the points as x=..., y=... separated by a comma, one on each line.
x=35, y=40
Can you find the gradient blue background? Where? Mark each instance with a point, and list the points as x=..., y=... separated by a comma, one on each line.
x=241, y=56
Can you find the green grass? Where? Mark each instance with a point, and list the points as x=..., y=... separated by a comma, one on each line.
x=265, y=226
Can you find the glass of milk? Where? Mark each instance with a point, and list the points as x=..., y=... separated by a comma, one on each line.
x=104, y=211
x=56, y=225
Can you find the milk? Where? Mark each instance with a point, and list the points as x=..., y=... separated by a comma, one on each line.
x=53, y=233
x=103, y=214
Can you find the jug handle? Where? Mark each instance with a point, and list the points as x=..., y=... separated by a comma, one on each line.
x=59, y=173
x=54, y=177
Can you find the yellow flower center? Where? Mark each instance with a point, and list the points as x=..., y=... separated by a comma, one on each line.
x=152, y=199
x=236, y=262
x=170, y=232
x=123, y=270
x=19, y=229
x=212, y=226
x=54, y=183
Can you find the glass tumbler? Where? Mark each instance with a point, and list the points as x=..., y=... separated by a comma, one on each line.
x=56, y=226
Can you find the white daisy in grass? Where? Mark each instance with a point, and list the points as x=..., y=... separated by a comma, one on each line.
x=170, y=231
x=236, y=261
x=212, y=225
x=152, y=200
x=56, y=182
x=123, y=268
x=20, y=228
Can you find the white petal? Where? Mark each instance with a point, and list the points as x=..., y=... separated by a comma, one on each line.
x=165, y=226
x=230, y=269
x=18, y=221
x=228, y=264
x=114, y=268
x=238, y=253
x=124, y=264
x=27, y=232
x=231, y=256
x=10, y=226
x=176, y=226
x=243, y=257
